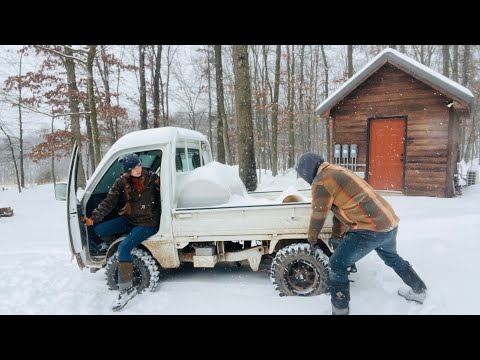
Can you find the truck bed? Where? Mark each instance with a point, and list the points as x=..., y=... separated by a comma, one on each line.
x=248, y=222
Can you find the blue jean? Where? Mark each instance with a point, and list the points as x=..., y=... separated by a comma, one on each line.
x=136, y=235
x=357, y=244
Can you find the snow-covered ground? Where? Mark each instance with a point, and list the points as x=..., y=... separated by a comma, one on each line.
x=440, y=237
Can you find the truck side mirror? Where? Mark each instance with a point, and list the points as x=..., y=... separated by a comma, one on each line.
x=61, y=191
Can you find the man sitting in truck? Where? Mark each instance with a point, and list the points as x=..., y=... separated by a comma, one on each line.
x=139, y=189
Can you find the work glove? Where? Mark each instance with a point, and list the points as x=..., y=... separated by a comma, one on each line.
x=333, y=242
x=312, y=239
x=87, y=221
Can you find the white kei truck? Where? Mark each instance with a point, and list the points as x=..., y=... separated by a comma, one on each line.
x=269, y=235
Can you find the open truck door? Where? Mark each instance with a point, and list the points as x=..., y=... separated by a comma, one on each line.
x=74, y=212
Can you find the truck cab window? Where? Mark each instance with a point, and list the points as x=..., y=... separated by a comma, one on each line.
x=189, y=162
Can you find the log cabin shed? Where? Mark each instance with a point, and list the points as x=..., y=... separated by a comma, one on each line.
x=402, y=119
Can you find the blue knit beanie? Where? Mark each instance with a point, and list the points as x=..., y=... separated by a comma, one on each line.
x=307, y=166
x=129, y=161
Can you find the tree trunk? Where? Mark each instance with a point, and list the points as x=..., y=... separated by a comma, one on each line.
x=258, y=113
x=69, y=64
x=466, y=65
x=455, y=63
x=327, y=125
x=92, y=105
x=446, y=60
x=53, y=155
x=104, y=74
x=317, y=134
x=209, y=76
x=143, y=88
x=309, y=107
x=276, y=87
x=301, y=88
x=469, y=149
x=156, y=86
x=13, y=158
x=266, y=133
x=117, y=95
x=291, y=117
x=243, y=109
x=20, y=123
x=223, y=151
x=350, y=61
x=91, y=154
x=170, y=56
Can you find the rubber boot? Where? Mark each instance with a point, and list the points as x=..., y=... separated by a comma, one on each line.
x=125, y=285
x=417, y=291
x=340, y=297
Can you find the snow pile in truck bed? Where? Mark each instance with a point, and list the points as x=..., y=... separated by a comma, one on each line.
x=292, y=195
x=216, y=184
x=209, y=185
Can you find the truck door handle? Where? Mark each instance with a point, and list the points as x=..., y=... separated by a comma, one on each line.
x=184, y=216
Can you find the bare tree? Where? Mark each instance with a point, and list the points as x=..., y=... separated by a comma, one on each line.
x=191, y=87
x=69, y=64
x=466, y=65
x=104, y=71
x=446, y=60
x=424, y=53
x=276, y=87
x=243, y=106
x=267, y=89
x=20, y=124
x=209, y=95
x=223, y=152
x=157, y=51
x=327, y=131
x=143, y=88
x=349, y=61
x=290, y=105
x=92, y=49
x=3, y=128
x=455, y=63
x=164, y=89
x=301, y=96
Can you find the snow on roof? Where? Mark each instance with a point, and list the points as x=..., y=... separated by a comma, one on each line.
x=148, y=137
x=407, y=64
x=154, y=136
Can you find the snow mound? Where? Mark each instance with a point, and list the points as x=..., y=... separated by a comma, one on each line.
x=291, y=195
x=209, y=185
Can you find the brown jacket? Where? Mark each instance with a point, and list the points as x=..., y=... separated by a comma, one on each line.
x=141, y=208
x=355, y=204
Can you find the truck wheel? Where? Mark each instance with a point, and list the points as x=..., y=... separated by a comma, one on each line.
x=299, y=270
x=145, y=271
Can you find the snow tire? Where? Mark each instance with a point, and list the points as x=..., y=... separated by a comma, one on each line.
x=300, y=270
x=145, y=271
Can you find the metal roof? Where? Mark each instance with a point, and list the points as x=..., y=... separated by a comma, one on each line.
x=416, y=69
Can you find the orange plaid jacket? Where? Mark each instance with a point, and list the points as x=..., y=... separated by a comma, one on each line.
x=354, y=203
